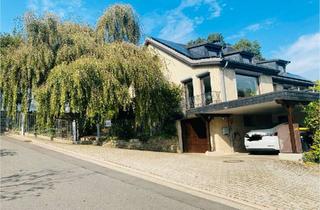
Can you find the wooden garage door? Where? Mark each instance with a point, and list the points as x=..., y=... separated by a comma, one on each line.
x=195, y=136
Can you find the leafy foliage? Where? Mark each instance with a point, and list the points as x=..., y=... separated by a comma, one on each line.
x=312, y=121
x=314, y=154
x=59, y=64
x=119, y=23
x=199, y=40
x=44, y=43
x=213, y=37
x=250, y=46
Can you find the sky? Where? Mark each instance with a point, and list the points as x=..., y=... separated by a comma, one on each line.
x=286, y=29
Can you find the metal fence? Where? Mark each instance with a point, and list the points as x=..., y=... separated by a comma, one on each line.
x=3, y=122
x=27, y=123
x=63, y=129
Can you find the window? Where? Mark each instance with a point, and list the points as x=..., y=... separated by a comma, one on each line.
x=246, y=85
x=206, y=90
x=246, y=60
x=188, y=87
x=281, y=68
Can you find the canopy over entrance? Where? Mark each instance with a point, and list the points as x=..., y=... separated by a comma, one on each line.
x=266, y=103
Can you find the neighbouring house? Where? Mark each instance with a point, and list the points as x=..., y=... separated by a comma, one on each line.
x=228, y=93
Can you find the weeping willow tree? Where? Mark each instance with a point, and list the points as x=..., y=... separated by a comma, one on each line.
x=27, y=65
x=82, y=85
x=8, y=44
x=120, y=78
x=119, y=23
x=44, y=43
x=58, y=64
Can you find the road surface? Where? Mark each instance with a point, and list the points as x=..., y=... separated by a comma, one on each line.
x=36, y=178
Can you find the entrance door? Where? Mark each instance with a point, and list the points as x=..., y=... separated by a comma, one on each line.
x=195, y=136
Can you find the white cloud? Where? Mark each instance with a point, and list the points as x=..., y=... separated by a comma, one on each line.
x=176, y=25
x=252, y=28
x=178, y=28
x=65, y=9
x=304, y=55
x=214, y=8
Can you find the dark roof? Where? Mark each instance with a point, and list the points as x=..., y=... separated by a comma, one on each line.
x=180, y=48
x=238, y=52
x=274, y=60
x=228, y=50
x=185, y=50
x=285, y=77
x=210, y=44
x=293, y=76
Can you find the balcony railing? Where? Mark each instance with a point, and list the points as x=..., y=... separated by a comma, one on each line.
x=202, y=100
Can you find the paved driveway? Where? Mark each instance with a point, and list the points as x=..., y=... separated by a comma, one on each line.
x=37, y=178
x=259, y=180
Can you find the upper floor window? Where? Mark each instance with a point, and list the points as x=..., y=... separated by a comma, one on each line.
x=246, y=86
x=206, y=90
x=188, y=89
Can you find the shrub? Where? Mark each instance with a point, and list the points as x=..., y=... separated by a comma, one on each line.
x=314, y=154
x=312, y=121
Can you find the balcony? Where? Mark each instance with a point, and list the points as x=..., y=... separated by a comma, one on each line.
x=202, y=100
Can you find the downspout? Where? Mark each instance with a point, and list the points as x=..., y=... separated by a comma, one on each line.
x=224, y=82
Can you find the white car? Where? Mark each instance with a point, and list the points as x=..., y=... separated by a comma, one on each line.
x=262, y=140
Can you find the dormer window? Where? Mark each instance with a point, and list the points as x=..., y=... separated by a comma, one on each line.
x=239, y=56
x=274, y=64
x=213, y=52
x=205, y=50
x=246, y=60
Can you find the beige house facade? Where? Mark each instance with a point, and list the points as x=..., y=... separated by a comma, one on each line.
x=228, y=93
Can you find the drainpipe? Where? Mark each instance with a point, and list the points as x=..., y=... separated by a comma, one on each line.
x=224, y=82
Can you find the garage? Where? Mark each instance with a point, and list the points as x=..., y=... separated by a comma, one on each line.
x=230, y=121
x=195, y=137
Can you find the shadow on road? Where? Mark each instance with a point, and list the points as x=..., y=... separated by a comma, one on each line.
x=33, y=183
x=7, y=152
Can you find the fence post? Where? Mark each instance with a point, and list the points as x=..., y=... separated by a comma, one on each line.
x=98, y=131
x=22, y=123
x=75, y=131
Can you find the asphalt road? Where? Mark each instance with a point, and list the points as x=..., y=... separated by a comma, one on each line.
x=36, y=178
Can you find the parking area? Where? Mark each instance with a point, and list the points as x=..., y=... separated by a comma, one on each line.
x=262, y=180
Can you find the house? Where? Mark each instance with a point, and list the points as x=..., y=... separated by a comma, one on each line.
x=228, y=93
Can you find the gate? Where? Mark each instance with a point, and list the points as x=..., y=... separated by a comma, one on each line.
x=194, y=134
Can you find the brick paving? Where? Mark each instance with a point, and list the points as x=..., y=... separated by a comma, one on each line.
x=259, y=180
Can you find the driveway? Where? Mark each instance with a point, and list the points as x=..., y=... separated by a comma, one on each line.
x=36, y=178
x=262, y=181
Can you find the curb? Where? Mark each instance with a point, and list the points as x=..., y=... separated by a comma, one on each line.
x=235, y=203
